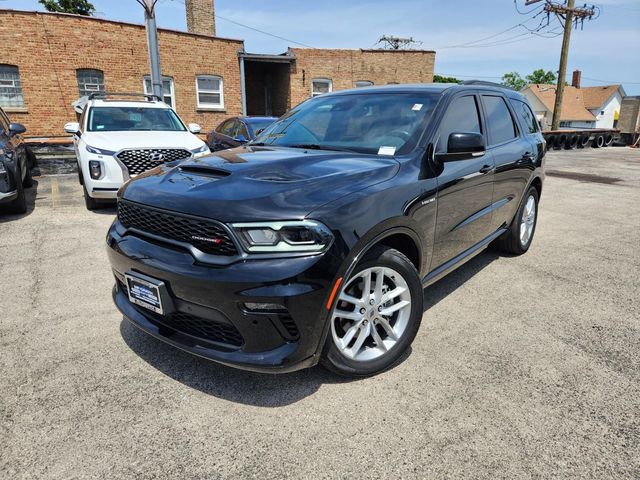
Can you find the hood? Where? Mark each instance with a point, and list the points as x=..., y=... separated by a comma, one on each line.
x=259, y=183
x=116, y=141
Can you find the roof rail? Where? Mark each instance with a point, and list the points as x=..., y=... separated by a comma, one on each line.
x=147, y=96
x=485, y=83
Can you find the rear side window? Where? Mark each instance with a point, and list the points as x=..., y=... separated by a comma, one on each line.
x=462, y=116
x=526, y=115
x=499, y=121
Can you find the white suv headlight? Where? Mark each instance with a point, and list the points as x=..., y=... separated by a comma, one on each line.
x=99, y=151
x=200, y=150
x=284, y=237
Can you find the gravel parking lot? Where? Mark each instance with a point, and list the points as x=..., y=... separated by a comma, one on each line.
x=524, y=367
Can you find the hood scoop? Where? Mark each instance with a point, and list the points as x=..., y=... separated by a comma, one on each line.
x=204, y=171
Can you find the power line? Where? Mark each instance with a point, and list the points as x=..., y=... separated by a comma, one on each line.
x=611, y=83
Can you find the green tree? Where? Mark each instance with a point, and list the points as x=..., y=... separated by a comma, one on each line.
x=514, y=80
x=441, y=79
x=540, y=76
x=79, y=7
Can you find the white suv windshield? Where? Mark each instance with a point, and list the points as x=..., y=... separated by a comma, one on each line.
x=115, y=119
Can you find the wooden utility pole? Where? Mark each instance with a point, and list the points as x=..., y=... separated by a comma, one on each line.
x=570, y=15
x=562, y=70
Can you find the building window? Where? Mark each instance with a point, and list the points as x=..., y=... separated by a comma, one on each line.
x=10, y=87
x=168, y=94
x=89, y=81
x=320, y=86
x=565, y=124
x=363, y=83
x=209, y=91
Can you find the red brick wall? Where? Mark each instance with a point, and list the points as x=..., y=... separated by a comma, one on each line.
x=48, y=48
x=345, y=67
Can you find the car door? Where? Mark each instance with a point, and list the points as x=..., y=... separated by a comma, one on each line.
x=512, y=153
x=225, y=133
x=465, y=186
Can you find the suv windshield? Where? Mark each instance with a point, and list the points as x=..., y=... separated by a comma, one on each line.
x=385, y=123
x=114, y=119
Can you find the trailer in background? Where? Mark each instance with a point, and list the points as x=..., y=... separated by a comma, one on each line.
x=629, y=120
x=569, y=139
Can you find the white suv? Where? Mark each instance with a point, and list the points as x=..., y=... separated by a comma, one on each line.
x=116, y=140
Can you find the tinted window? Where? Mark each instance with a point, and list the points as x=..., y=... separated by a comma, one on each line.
x=462, y=116
x=114, y=119
x=228, y=128
x=526, y=115
x=499, y=122
x=381, y=123
x=4, y=122
x=242, y=130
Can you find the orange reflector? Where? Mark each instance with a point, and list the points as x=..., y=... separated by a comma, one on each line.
x=333, y=293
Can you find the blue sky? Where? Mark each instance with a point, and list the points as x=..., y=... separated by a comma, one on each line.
x=606, y=50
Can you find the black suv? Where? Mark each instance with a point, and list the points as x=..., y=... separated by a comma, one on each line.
x=16, y=162
x=314, y=242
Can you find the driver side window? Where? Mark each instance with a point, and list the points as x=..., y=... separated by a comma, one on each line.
x=461, y=116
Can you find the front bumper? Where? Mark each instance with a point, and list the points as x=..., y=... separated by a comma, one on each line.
x=216, y=297
x=8, y=180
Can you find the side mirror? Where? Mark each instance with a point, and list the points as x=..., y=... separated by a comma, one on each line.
x=16, y=129
x=194, y=128
x=461, y=145
x=73, y=128
x=241, y=139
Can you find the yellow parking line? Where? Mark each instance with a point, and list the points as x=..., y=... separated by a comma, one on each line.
x=54, y=192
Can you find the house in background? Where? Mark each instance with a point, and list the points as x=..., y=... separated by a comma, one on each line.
x=582, y=107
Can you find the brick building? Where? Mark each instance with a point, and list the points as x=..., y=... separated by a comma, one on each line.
x=55, y=58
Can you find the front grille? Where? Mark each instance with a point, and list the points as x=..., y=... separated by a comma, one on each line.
x=141, y=160
x=208, y=236
x=201, y=328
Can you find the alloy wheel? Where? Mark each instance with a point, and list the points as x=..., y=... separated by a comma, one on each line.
x=527, y=221
x=371, y=314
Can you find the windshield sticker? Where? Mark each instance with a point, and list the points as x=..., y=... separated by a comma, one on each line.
x=417, y=107
x=99, y=127
x=386, y=150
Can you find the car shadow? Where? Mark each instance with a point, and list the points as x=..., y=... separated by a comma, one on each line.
x=30, y=194
x=440, y=290
x=259, y=389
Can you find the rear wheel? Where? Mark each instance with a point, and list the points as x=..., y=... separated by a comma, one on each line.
x=517, y=239
x=376, y=315
x=28, y=180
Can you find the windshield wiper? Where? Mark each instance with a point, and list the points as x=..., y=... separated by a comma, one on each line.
x=316, y=146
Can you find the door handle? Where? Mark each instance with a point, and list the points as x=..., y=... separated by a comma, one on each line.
x=486, y=169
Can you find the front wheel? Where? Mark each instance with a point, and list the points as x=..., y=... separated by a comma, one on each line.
x=376, y=315
x=89, y=202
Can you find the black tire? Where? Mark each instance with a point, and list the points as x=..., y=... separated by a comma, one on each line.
x=598, y=141
x=571, y=142
x=90, y=203
x=608, y=140
x=511, y=242
x=337, y=362
x=19, y=204
x=584, y=141
x=551, y=141
x=560, y=141
x=28, y=180
x=31, y=158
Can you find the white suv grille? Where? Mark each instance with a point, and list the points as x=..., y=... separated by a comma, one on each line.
x=141, y=160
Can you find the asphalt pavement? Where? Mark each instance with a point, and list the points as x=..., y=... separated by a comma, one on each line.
x=525, y=367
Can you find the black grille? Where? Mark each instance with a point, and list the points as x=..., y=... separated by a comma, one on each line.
x=208, y=236
x=141, y=160
x=201, y=328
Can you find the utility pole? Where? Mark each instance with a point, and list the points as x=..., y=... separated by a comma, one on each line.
x=397, y=43
x=152, y=45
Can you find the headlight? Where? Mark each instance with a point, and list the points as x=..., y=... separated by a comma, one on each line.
x=284, y=237
x=203, y=149
x=99, y=151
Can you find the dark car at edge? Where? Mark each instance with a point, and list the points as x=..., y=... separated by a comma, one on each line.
x=314, y=242
x=16, y=162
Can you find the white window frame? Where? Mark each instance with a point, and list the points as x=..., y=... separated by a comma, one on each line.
x=90, y=87
x=214, y=106
x=17, y=99
x=324, y=80
x=172, y=92
x=363, y=83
